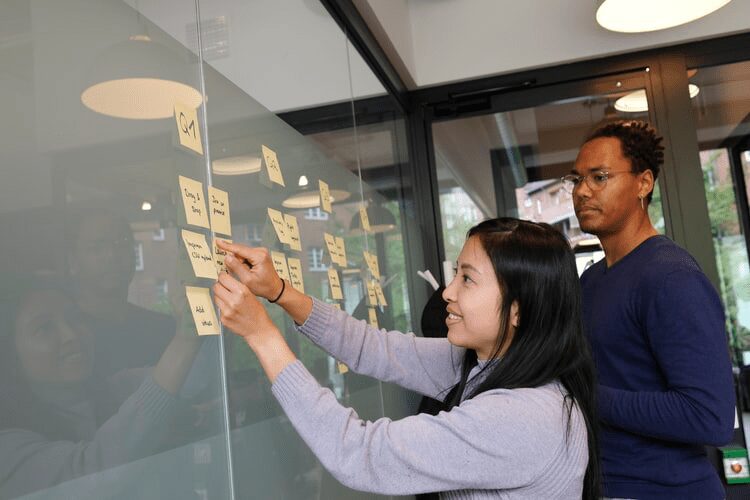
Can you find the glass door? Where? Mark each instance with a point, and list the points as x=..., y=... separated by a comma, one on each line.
x=509, y=163
x=721, y=113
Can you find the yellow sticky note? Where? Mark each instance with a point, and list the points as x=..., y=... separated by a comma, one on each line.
x=372, y=264
x=292, y=232
x=333, y=280
x=218, y=207
x=342, y=367
x=372, y=297
x=219, y=256
x=272, y=165
x=192, y=200
x=379, y=293
x=373, y=317
x=187, y=127
x=200, y=254
x=325, y=197
x=332, y=248
x=279, y=224
x=203, y=311
x=295, y=274
x=341, y=247
x=279, y=263
x=363, y=217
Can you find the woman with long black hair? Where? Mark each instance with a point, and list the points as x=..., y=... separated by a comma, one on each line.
x=515, y=374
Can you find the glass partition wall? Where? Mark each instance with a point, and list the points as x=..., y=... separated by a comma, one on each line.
x=135, y=133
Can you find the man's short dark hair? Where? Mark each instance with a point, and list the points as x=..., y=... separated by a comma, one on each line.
x=639, y=142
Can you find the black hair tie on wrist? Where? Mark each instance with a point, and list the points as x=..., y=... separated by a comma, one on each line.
x=283, y=287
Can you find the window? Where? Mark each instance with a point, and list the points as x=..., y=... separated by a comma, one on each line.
x=139, y=256
x=316, y=214
x=162, y=290
x=254, y=234
x=315, y=256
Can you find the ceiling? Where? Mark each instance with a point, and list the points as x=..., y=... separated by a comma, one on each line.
x=433, y=42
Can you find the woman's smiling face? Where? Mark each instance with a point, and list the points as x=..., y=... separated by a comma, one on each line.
x=474, y=302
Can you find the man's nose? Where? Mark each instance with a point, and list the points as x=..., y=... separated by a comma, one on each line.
x=582, y=190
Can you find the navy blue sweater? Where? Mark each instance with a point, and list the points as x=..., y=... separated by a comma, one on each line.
x=656, y=327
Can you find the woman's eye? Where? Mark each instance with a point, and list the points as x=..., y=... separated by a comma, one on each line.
x=466, y=279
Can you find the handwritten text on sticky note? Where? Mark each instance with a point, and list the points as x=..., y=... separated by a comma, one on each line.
x=203, y=311
x=373, y=317
x=188, y=129
x=218, y=206
x=219, y=256
x=333, y=280
x=364, y=218
x=280, y=264
x=273, y=168
x=200, y=254
x=292, y=232
x=325, y=197
x=193, y=201
x=279, y=225
x=295, y=274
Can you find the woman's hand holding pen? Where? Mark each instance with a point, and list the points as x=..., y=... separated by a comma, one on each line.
x=253, y=267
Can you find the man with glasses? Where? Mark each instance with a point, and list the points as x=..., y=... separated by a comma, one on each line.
x=656, y=327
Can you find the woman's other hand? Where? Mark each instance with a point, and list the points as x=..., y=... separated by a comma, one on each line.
x=240, y=310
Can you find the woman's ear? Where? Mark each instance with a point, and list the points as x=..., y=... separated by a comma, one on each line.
x=515, y=317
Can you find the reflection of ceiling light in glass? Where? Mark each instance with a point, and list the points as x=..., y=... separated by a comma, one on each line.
x=140, y=80
x=311, y=199
x=236, y=165
x=636, y=101
x=146, y=206
x=636, y=16
x=381, y=220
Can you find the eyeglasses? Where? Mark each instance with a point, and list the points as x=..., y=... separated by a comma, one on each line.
x=594, y=180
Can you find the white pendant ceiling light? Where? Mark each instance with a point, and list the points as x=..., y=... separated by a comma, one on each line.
x=636, y=101
x=139, y=79
x=308, y=198
x=381, y=220
x=636, y=16
x=236, y=165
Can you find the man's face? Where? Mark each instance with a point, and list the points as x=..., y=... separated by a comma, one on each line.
x=606, y=209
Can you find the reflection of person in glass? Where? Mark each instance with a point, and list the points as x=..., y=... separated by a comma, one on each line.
x=515, y=374
x=102, y=264
x=656, y=327
x=58, y=421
